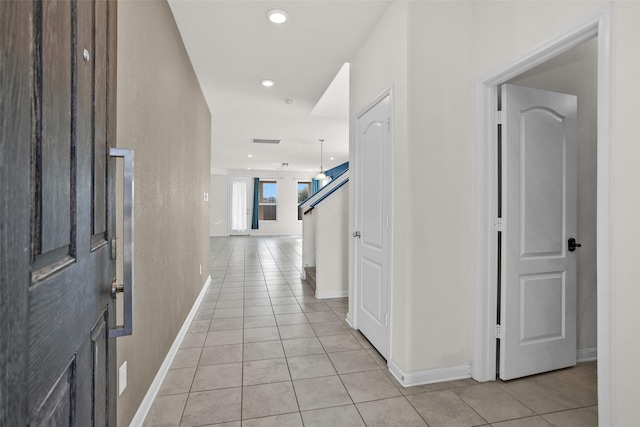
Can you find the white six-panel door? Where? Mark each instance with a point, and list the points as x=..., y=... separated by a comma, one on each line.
x=538, y=293
x=372, y=223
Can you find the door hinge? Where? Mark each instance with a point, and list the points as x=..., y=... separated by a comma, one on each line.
x=499, y=224
x=499, y=331
x=388, y=124
x=114, y=248
x=386, y=319
x=499, y=117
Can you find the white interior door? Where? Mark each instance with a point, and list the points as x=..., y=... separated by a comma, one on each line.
x=239, y=205
x=538, y=293
x=372, y=222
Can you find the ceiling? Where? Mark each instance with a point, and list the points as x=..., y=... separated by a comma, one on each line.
x=233, y=46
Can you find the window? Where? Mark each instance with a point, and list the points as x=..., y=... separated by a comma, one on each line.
x=268, y=194
x=304, y=192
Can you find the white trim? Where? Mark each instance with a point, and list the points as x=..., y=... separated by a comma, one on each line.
x=335, y=294
x=429, y=376
x=484, y=354
x=587, y=354
x=275, y=234
x=145, y=405
x=349, y=320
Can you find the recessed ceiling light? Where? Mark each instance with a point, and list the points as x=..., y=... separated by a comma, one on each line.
x=332, y=158
x=267, y=82
x=249, y=155
x=277, y=16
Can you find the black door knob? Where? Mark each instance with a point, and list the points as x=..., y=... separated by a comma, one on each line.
x=572, y=244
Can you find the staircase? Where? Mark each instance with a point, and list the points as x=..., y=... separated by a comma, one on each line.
x=325, y=238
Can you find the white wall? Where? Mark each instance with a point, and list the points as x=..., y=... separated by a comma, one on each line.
x=219, y=206
x=432, y=53
x=309, y=237
x=332, y=240
x=378, y=65
x=625, y=132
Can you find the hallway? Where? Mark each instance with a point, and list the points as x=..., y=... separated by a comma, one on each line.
x=262, y=351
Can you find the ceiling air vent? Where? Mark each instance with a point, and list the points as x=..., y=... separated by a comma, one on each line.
x=265, y=141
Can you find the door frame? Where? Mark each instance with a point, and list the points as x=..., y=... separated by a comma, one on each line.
x=486, y=89
x=352, y=318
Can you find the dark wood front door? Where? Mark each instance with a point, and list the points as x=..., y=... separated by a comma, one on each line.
x=57, y=122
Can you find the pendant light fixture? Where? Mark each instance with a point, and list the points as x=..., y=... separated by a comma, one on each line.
x=321, y=176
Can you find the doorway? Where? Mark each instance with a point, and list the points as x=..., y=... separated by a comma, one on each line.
x=573, y=72
x=484, y=366
x=239, y=203
x=372, y=222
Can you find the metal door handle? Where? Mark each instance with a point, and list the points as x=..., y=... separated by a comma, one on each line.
x=356, y=234
x=127, y=269
x=572, y=244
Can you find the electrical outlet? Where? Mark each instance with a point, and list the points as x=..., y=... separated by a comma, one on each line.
x=122, y=378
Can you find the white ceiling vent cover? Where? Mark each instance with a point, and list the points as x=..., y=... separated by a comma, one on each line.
x=265, y=141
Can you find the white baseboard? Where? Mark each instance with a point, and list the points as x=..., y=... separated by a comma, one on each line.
x=349, y=320
x=336, y=294
x=429, y=376
x=587, y=354
x=145, y=405
x=252, y=233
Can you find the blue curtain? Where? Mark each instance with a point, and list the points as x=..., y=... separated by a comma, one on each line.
x=315, y=186
x=256, y=203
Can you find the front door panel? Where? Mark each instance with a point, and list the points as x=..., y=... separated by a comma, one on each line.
x=68, y=362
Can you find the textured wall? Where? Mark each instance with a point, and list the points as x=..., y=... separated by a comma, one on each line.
x=163, y=116
x=219, y=204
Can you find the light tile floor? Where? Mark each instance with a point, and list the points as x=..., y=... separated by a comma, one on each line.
x=262, y=351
